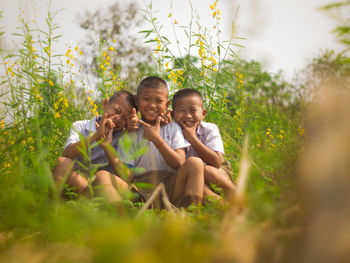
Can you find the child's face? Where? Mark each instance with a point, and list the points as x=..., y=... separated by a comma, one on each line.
x=119, y=109
x=151, y=103
x=190, y=110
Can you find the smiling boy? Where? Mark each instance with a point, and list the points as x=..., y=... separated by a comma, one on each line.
x=106, y=129
x=205, y=139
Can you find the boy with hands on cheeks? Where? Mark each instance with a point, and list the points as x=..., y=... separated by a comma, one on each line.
x=164, y=162
x=105, y=129
x=205, y=139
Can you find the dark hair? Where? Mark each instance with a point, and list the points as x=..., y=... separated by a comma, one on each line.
x=153, y=82
x=185, y=93
x=128, y=96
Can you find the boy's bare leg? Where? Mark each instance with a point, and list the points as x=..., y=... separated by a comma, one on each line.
x=189, y=182
x=207, y=192
x=108, y=183
x=63, y=168
x=215, y=176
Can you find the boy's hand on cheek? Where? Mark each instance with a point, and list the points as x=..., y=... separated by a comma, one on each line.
x=189, y=132
x=151, y=132
x=101, y=127
x=109, y=131
x=132, y=121
x=105, y=129
x=166, y=117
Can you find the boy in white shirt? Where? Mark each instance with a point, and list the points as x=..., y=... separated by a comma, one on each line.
x=164, y=162
x=105, y=129
x=205, y=139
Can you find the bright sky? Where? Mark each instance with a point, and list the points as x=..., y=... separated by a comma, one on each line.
x=282, y=34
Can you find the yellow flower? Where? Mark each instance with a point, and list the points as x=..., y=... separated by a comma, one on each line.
x=76, y=48
x=31, y=148
x=114, y=40
x=68, y=61
x=169, y=15
x=211, y=7
x=57, y=115
x=111, y=48
x=80, y=52
x=67, y=53
x=51, y=83
x=175, y=22
x=214, y=14
x=215, y=3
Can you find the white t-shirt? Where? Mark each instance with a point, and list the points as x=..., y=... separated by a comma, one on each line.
x=98, y=156
x=209, y=135
x=152, y=159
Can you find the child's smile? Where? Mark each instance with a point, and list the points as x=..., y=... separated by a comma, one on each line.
x=189, y=110
x=152, y=102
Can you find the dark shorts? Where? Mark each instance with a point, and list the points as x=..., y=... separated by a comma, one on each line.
x=148, y=181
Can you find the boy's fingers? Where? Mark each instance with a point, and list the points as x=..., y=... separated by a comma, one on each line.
x=159, y=119
x=181, y=123
x=164, y=119
x=168, y=115
x=104, y=117
x=97, y=125
x=143, y=123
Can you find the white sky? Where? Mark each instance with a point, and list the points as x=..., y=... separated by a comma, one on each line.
x=282, y=34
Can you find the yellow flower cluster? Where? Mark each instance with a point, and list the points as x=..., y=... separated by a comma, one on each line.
x=210, y=59
x=60, y=106
x=9, y=69
x=273, y=141
x=159, y=47
x=106, y=60
x=93, y=107
x=216, y=11
x=70, y=57
x=239, y=79
x=2, y=124
x=176, y=75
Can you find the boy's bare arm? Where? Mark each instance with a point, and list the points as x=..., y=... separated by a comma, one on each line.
x=72, y=150
x=174, y=158
x=209, y=156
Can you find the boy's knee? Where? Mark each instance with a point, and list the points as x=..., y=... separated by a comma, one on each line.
x=102, y=177
x=194, y=163
x=62, y=166
x=64, y=160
